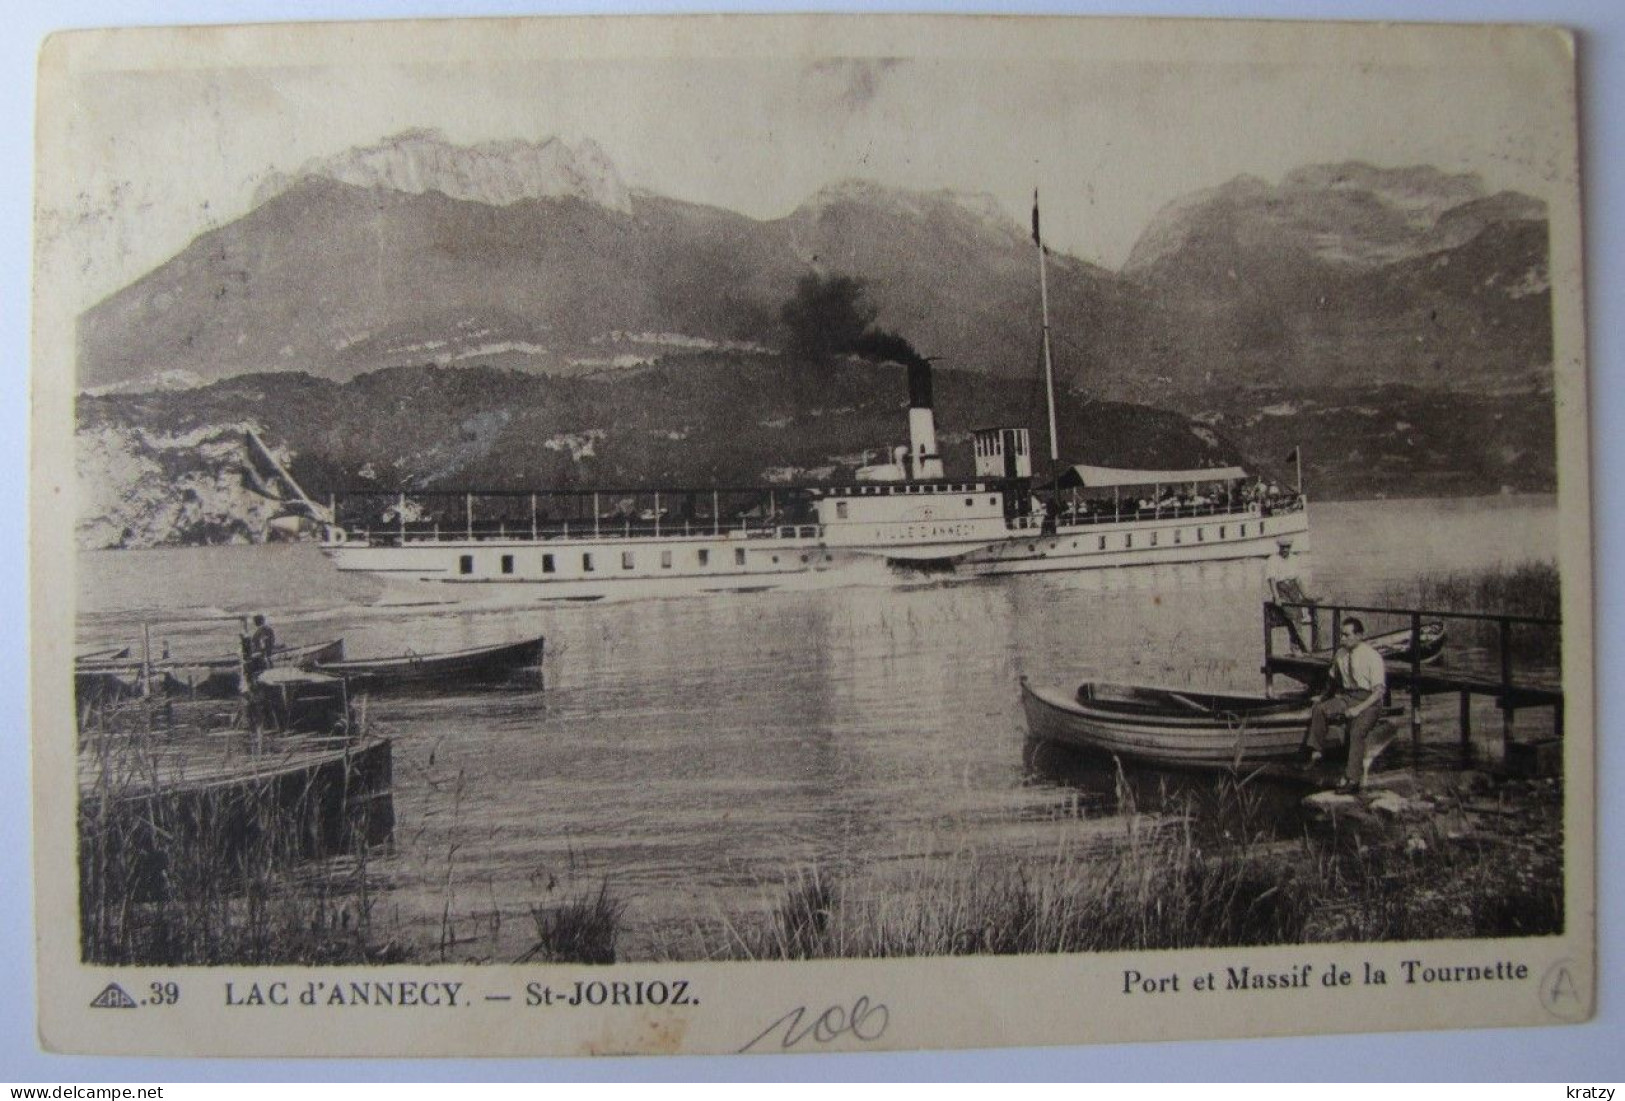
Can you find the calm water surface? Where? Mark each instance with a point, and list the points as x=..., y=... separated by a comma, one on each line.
x=695, y=752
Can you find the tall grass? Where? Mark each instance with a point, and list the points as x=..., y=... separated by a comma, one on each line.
x=1163, y=887
x=1532, y=589
x=1525, y=589
x=268, y=869
x=582, y=928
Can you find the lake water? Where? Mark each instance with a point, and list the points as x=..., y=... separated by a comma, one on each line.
x=696, y=753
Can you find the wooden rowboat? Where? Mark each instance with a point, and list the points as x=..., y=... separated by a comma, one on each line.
x=476, y=665
x=112, y=653
x=1396, y=645
x=214, y=677
x=1169, y=727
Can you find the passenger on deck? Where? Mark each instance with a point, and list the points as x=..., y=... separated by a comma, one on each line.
x=1354, y=695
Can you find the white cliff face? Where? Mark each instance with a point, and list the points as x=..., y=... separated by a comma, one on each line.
x=497, y=173
x=145, y=489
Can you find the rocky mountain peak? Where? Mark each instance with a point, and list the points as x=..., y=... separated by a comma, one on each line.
x=498, y=173
x=1420, y=189
x=1349, y=214
x=978, y=207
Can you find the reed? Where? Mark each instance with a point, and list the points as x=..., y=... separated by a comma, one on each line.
x=255, y=872
x=1165, y=886
x=582, y=928
x=1531, y=589
x=1525, y=589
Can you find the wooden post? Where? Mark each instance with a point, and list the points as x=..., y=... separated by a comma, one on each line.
x=468, y=509
x=716, y=515
x=1337, y=629
x=146, y=660
x=1269, y=653
x=1466, y=722
x=1416, y=684
x=1506, y=683
x=400, y=515
x=533, y=517
x=595, y=515
x=657, y=513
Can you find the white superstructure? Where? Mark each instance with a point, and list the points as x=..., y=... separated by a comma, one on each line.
x=888, y=522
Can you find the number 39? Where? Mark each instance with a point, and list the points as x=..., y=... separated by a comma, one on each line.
x=164, y=993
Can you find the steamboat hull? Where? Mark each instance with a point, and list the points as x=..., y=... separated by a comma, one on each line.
x=808, y=558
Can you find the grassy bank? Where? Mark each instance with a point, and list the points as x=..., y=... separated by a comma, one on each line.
x=201, y=844
x=167, y=885
x=1356, y=880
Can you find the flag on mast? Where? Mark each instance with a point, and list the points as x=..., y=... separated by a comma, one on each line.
x=1037, y=238
x=1296, y=459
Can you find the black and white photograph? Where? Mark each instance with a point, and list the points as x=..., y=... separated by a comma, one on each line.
x=602, y=536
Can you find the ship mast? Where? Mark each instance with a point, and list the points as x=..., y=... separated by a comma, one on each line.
x=1049, y=367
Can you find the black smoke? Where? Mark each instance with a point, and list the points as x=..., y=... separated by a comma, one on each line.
x=829, y=317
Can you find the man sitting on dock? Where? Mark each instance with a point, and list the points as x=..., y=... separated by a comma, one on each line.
x=1353, y=695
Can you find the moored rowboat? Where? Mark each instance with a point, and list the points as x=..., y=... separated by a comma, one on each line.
x=474, y=665
x=112, y=653
x=1169, y=727
x=1396, y=645
x=213, y=677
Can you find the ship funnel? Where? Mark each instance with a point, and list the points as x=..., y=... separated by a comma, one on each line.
x=922, y=427
x=919, y=384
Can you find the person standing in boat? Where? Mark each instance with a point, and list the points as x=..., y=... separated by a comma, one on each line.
x=1354, y=696
x=257, y=644
x=262, y=643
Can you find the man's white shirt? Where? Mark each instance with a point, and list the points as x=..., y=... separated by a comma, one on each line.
x=1361, y=670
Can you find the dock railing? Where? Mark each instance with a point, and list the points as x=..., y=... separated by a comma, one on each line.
x=1514, y=659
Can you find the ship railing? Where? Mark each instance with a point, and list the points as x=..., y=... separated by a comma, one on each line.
x=1297, y=502
x=1118, y=514
x=396, y=535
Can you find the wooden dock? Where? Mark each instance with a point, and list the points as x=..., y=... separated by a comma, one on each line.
x=1512, y=688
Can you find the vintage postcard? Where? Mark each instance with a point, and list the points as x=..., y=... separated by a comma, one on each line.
x=785, y=534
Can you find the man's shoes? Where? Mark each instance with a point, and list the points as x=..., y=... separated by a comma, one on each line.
x=1309, y=759
x=1346, y=787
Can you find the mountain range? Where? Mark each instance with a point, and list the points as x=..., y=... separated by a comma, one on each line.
x=420, y=314
x=538, y=256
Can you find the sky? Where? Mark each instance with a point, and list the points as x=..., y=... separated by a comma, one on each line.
x=161, y=144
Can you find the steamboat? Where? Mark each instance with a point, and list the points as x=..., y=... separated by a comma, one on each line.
x=900, y=520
